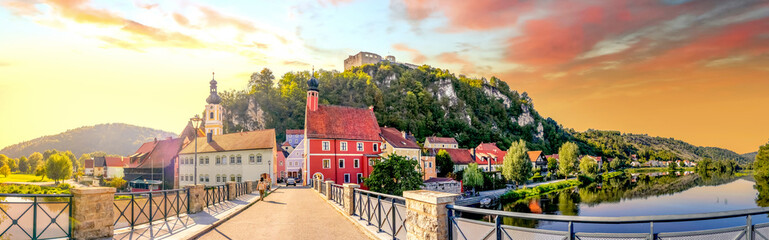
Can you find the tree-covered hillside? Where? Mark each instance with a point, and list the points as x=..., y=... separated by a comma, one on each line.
x=425, y=101
x=113, y=138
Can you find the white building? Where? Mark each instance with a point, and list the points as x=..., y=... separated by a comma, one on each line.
x=234, y=157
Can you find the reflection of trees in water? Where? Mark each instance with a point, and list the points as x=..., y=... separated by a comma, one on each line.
x=564, y=202
x=762, y=186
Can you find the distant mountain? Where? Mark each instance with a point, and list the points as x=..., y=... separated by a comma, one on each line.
x=750, y=156
x=112, y=138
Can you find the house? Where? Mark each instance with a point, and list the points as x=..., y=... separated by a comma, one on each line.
x=429, y=169
x=113, y=167
x=553, y=156
x=295, y=161
x=294, y=137
x=441, y=142
x=279, y=168
x=88, y=167
x=342, y=144
x=460, y=157
x=286, y=147
x=396, y=142
x=538, y=160
x=489, y=157
x=233, y=157
x=154, y=166
x=98, y=166
x=446, y=185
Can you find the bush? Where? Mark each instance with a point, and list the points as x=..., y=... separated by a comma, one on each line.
x=64, y=186
x=31, y=189
x=539, y=190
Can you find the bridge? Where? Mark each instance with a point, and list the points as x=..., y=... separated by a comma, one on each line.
x=325, y=210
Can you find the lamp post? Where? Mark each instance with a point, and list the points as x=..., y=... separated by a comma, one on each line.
x=196, y=120
x=269, y=176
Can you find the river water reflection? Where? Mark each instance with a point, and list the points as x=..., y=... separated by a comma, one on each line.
x=642, y=196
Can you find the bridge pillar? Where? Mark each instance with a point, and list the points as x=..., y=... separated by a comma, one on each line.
x=197, y=196
x=427, y=214
x=250, y=186
x=232, y=192
x=92, y=213
x=328, y=189
x=349, y=201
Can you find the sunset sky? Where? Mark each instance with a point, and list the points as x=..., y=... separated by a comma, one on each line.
x=694, y=70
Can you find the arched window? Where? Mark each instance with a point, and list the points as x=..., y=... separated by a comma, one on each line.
x=207, y=179
x=240, y=178
x=232, y=159
x=218, y=178
x=239, y=159
x=218, y=160
x=251, y=158
x=259, y=158
x=232, y=177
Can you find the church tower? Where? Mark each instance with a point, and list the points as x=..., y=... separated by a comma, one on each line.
x=214, y=111
x=312, y=94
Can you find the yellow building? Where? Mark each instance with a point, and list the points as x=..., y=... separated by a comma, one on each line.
x=441, y=142
x=214, y=112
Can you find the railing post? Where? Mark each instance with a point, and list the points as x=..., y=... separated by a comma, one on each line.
x=379, y=211
x=133, y=217
x=749, y=228
x=498, y=222
x=349, y=198
x=433, y=221
x=92, y=212
x=329, y=189
x=651, y=231
x=195, y=198
x=150, y=202
x=34, y=218
x=571, y=230
x=231, y=191
x=449, y=227
x=69, y=228
x=392, y=211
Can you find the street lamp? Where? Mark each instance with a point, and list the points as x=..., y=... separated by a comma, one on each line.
x=196, y=120
x=269, y=176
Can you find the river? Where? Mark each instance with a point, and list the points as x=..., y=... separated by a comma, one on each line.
x=641, y=195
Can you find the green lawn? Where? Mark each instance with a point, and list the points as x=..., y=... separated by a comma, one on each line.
x=18, y=177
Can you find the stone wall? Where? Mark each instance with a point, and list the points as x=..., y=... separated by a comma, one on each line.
x=92, y=212
x=444, y=186
x=427, y=214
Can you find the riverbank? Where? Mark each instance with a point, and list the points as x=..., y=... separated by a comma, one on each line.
x=515, y=195
x=656, y=169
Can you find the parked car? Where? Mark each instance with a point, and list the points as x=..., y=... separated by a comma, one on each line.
x=291, y=181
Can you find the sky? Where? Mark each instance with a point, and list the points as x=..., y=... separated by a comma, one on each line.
x=692, y=70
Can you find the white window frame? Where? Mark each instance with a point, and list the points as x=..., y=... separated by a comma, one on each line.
x=375, y=147
x=360, y=177
x=347, y=178
x=343, y=146
x=341, y=163
x=356, y=163
x=360, y=147
x=259, y=158
x=326, y=163
x=326, y=145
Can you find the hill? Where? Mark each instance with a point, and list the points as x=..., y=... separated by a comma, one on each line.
x=750, y=156
x=113, y=138
x=429, y=101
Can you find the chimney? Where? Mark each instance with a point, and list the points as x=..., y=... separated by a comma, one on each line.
x=371, y=108
x=403, y=133
x=209, y=137
x=473, y=154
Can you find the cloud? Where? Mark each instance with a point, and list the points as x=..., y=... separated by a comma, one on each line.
x=214, y=18
x=181, y=20
x=468, y=15
x=21, y=8
x=416, y=55
x=296, y=63
x=4, y=64
x=468, y=66
x=162, y=36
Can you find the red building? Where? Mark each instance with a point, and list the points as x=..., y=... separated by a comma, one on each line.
x=489, y=157
x=341, y=143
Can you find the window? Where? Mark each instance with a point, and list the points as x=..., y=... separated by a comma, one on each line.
x=326, y=145
x=371, y=162
x=356, y=163
x=201, y=178
x=281, y=163
x=240, y=178
x=232, y=177
x=259, y=158
x=430, y=164
x=211, y=114
x=207, y=180
x=251, y=158
x=218, y=161
x=360, y=178
x=346, y=177
x=232, y=159
x=376, y=148
x=360, y=147
x=207, y=160
x=326, y=163
x=343, y=146
x=239, y=159
x=341, y=163
x=218, y=178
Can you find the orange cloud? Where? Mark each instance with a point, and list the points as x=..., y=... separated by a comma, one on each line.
x=181, y=19
x=161, y=36
x=214, y=18
x=416, y=55
x=78, y=11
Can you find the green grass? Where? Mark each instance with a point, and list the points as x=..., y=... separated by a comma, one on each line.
x=18, y=177
x=514, y=195
x=34, y=189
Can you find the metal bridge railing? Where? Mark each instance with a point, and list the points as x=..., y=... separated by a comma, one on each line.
x=464, y=228
x=132, y=209
x=216, y=194
x=386, y=212
x=240, y=189
x=323, y=189
x=46, y=216
x=337, y=194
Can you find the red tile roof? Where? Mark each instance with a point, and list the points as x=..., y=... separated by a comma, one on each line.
x=285, y=144
x=259, y=139
x=161, y=155
x=338, y=122
x=395, y=138
x=459, y=156
x=116, y=161
x=533, y=155
x=294, y=131
x=487, y=147
x=88, y=163
x=446, y=140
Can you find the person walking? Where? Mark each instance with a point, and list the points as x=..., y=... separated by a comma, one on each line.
x=262, y=187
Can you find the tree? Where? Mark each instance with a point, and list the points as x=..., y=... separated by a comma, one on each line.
x=3, y=160
x=24, y=165
x=672, y=167
x=472, y=177
x=13, y=164
x=40, y=171
x=567, y=154
x=117, y=183
x=5, y=170
x=552, y=164
x=445, y=165
x=394, y=175
x=588, y=166
x=72, y=159
x=58, y=167
x=81, y=160
x=34, y=160
x=761, y=162
x=516, y=166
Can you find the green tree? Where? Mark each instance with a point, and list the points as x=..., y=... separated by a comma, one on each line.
x=34, y=160
x=673, y=167
x=3, y=160
x=395, y=174
x=24, y=165
x=552, y=164
x=72, y=159
x=516, y=165
x=444, y=163
x=40, y=171
x=82, y=158
x=117, y=183
x=761, y=162
x=5, y=170
x=58, y=167
x=13, y=164
x=567, y=162
x=472, y=177
x=588, y=166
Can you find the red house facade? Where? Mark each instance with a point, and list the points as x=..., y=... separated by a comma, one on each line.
x=341, y=143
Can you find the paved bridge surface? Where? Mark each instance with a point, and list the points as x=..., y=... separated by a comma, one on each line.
x=288, y=213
